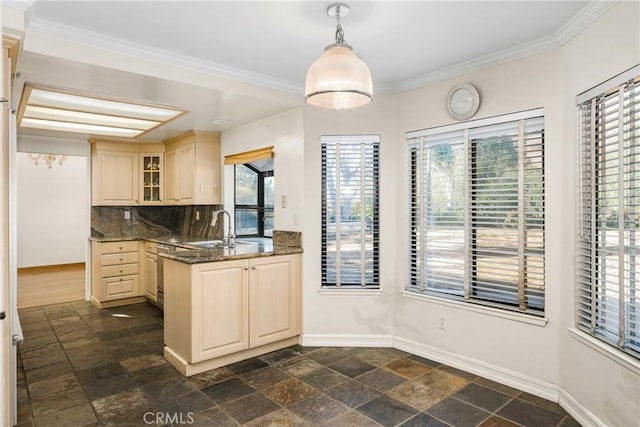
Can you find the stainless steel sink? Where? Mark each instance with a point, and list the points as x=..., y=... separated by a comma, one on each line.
x=210, y=244
x=207, y=243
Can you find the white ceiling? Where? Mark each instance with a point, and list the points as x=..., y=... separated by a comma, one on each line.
x=271, y=44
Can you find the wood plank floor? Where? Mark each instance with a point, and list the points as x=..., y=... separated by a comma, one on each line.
x=50, y=284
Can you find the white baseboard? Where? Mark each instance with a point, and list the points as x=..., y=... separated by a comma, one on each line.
x=579, y=412
x=331, y=340
x=495, y=373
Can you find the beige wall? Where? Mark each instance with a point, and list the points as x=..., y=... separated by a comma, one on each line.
x=285, y=132
x=530, y=350
x=53, y=215
x=349, y=318
x=545, y=360
x=597, y=381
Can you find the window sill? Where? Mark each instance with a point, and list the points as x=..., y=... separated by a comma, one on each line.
x=606, y=350
x=369, y=292
x=523, y=318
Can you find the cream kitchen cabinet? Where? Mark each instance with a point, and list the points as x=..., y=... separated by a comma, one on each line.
x=151, y=178
x=115, y=275
x=221, y=312
x=274, y=294
x=119, y=174
x=193, y=170
x=150, y=257
x=114, y=178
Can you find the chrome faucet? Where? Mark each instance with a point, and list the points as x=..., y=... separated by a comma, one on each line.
x=231, y=238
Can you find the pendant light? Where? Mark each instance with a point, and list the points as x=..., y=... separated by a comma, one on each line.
x=338, y=80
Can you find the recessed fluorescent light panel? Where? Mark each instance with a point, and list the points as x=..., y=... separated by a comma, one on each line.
x=60, y=110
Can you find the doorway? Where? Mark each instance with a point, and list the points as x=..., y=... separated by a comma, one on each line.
x=52, y=223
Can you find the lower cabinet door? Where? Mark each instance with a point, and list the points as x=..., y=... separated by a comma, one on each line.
x=151, y=276
x=274, y=299
x=220, y=310
x=120, y=287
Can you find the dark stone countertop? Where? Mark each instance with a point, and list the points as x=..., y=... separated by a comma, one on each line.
x=244, y=249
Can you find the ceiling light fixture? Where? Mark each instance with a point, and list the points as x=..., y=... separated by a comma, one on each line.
x=62, y=110
x=338, y=80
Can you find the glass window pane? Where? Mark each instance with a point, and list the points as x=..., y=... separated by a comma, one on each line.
x=268, y=223
x=444, y=196
x=246, y=222
x=246, y=185
x=494, y=218
x=350, y=214
x=467, y=190
x=268, y=191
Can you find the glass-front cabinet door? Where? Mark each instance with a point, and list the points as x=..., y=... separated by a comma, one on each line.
x=152, y=178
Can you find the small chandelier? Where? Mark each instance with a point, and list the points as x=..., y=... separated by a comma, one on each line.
x=48, y=158
x=338, y=80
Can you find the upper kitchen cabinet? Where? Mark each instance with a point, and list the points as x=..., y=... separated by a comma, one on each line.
x=192, y=169
x=152, y=177
x=118, y=171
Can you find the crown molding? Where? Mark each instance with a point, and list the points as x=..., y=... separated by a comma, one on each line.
x=21, y=5
x=99, y=41
x=569, y=30
x=479, y=63
x=583, y=19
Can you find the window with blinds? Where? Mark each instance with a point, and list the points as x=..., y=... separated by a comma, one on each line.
x=477, y=212
x=608, y=268
x=350, y=212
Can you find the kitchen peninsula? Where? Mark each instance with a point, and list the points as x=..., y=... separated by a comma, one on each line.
x=223, y=304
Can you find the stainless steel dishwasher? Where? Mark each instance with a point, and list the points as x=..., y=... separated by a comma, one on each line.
x=160, y=273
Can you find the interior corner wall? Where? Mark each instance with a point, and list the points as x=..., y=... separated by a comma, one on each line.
x=545, y=360
x=595, y=381
x=351, y=318
x=598, y=389
x=285, y=132
x=519, y=354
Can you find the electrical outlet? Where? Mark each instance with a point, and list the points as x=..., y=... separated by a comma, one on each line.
x=197, y=215
x=283, y=201
x=127, y=214
x=443, y=323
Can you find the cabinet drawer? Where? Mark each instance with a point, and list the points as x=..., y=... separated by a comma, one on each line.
x=119, y=270
x=122, y=258
x=118, y=247
x=150, y=247
x=120, y=287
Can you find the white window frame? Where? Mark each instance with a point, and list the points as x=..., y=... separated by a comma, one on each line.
x=415, y=285
x=368, y=181
x=608, y=111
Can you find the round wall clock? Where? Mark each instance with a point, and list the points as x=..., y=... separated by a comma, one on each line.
x=463, y=101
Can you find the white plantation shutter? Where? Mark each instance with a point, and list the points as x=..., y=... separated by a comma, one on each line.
x=477, y=212
x=608, y=294
x=350, y=224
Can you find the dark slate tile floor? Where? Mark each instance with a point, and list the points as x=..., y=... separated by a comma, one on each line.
x=80, y=366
